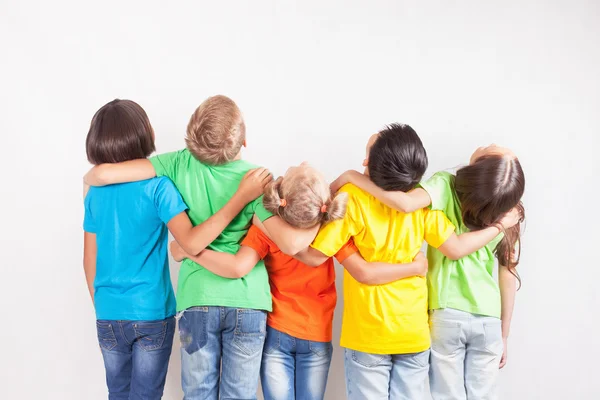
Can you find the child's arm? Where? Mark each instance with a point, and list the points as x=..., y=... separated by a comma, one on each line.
x=223, y=264
x=311, y=257
x=378, y=273
x=508, y=289
x=405, y=202
x=89, y=260
x=290, y=240
x=194, y=239
x=127, y=171
x=459, y=246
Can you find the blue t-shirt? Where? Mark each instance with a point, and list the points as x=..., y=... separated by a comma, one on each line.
x=132, y=269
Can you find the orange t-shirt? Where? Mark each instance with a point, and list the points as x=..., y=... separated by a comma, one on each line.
x=303, y=297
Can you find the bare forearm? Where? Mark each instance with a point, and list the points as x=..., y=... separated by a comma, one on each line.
x=290, y=240
x=459, y=246
x=89, y=261
x=128, y=171
x=401, y=201
x=378, y=273
x=508, y=290
x=311, y=257
x=205, y=233
x=227, y=265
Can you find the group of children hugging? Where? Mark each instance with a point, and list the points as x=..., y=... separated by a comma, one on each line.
x=256, y=290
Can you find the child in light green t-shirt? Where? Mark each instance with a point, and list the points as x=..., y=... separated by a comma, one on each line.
x=222, y=322
x=470, y=313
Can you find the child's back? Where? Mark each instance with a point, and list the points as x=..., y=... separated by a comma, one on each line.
x=132, y=271
x=391, y=318
x=125, y=256
x=206, y=189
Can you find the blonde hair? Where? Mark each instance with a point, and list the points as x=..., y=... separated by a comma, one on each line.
x=303, y=199
x=216, y=131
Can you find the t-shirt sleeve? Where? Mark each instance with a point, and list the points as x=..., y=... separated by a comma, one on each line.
x=334, y=235
x=89, y=225
x=438, y=227
x=439, y=188
x=260, y=210
x=346, y=251
x=166, y=164
x=257, y=241
x=167, y=200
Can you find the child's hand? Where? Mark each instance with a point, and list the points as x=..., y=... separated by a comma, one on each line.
x=176, y=251
x=511, y=218
x=253, y=184
x=346, y=177
x=422, y=264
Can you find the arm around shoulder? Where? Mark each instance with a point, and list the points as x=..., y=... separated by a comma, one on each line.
x=128, y=171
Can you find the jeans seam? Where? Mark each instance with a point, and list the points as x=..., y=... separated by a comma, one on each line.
x=123, y=333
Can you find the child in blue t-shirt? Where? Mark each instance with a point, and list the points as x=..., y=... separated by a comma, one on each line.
x=125, y=252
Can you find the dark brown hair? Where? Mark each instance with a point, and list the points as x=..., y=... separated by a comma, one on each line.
x=303, y=199
x=397, y=159
x=487, y=189
x=120, y=131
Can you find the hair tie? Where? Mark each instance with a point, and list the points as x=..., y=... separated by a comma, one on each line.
x=283, y=203
x=324, y=208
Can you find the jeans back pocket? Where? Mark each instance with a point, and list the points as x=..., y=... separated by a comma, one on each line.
x=106, y=335
x=150, y=335
x=445, y=336
x=250, y=330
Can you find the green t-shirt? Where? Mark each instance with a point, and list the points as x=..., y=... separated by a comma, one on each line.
x=205, y=189
x=467, y=284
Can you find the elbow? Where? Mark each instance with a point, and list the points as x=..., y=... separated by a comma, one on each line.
x=364, y=277
x=192, y=249
x=239, y=272
x=98, y=176
x=293, y=248
x=454, y=257
x=453, y=254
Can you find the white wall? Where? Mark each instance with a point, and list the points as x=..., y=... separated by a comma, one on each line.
x=313, y=79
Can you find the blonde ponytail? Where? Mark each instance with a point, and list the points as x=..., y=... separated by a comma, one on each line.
x=302, y=198
x=272, y=198
x=336, y=207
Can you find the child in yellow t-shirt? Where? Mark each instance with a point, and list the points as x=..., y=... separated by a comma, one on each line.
x=385, y=329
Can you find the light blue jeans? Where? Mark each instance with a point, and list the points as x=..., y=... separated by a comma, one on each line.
x=386, y=376
x=221, y=348
x=294, y=369
x=465, y=355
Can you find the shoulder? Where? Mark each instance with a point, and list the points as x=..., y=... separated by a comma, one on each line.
x=354, y=191
x=159, y=186
x=440, y=179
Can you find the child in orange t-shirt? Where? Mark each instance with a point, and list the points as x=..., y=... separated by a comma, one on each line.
x=298, y=350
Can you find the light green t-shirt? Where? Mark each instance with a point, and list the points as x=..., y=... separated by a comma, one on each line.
x=467, y=284
x=205, y=189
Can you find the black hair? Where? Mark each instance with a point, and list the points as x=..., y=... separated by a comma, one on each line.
x=397, y=159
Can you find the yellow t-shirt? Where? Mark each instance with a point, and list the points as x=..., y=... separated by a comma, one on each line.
x=391, y=318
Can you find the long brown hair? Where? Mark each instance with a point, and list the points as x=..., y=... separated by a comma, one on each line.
x=303, y=199
x=487, y=189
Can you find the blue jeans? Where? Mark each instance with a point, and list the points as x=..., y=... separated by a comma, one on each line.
x=465, y=355
x=294, y=368
x=386, y=376
x=136, y=357
x=221, y=348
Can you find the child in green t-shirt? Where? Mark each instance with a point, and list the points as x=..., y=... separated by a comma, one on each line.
x=470, y=313
x=222, y=322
